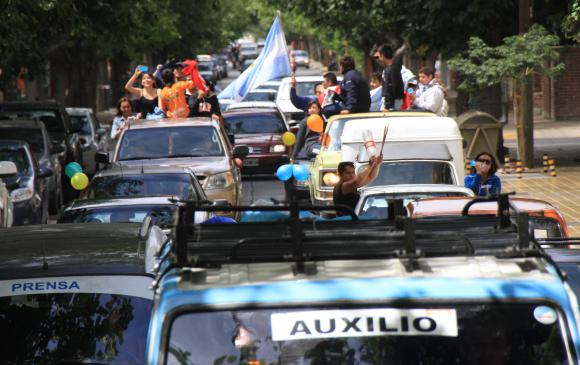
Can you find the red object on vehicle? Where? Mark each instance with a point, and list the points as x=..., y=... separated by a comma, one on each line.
x=406, y=101
x=191, y=70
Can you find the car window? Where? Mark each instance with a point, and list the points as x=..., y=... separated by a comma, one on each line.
x=248, y=124
x=204, y=66
x=252, y=96
x=19, y=158
x=167, y=142
x=414, y=172
x=32, y=136
x=376, y=206
x=306, y=88
x=142, y=185
x=74, y=328
x=83, y=121
x=161, y=215
x=50, y=118
x=477, y=333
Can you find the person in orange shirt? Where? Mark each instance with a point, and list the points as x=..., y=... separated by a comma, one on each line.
x=172, y=97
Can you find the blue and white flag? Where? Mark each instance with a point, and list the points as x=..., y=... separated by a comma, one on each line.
x=272, y=63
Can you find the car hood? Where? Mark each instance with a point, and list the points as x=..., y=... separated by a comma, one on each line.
x=257, y=139
x=199, y=165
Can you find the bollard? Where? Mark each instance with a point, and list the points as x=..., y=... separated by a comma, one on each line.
x=545, y=163
x=519, y=168
x=507, y=167
x=552, y=167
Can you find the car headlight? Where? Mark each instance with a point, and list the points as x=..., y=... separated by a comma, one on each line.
x=278, y=148
x=21, y=194
x=306, y=61
x=329, y=178
x=220, y=181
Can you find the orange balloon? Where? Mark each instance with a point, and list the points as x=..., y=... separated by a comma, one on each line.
x=315, y=123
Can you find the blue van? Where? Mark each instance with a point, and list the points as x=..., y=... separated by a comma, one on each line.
x=461, y=290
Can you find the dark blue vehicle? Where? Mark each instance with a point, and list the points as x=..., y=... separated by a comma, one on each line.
x=76, y=293
x=29, y=188
x=464, y=290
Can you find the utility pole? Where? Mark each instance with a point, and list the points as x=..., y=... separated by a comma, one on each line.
x=524, y=98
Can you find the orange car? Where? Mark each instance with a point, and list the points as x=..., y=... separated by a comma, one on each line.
x=546, y=219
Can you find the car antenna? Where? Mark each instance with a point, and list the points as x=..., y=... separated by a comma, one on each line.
x=142, y=168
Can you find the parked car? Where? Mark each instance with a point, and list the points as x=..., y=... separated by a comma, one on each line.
x=28, y=188
x=93, y=137
x=301, y=58
x=162, y=210
x=60, y=128
x=208, y=71
x=350, y=292
x=546, y=220
x=200, y=144
x=77, y=293
x=374, y=201
x=261, y=130
x=134, y=181
x=261, y=95
x=7, y=169
x=35, y=134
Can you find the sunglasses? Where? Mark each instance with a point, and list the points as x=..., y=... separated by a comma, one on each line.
x=487, y=162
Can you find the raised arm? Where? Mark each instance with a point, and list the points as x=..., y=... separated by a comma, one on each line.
x=129, y=85
x=369, y=174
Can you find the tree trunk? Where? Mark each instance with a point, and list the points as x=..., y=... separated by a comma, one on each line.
x=524, y=119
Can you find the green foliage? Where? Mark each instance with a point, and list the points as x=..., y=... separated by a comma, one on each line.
x=517, y=58
x=571, y=24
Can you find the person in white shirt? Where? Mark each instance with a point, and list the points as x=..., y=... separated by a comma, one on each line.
x=432, y=99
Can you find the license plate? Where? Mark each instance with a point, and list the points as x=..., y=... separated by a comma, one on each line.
x=250, y=162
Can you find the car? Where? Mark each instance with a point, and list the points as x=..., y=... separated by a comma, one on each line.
x=35, y=134
x=261, y=130
x=134, y=181
x=28, y=188
x=7, y=169
x=164, y=211
x=248, y=50
x=270, y=85
x=208, y=71
x=77, y=293
x=305, y=86
x=93, y=136
x=201, y=144
x=546, y=220
x=61, y=130
x=374, y=201
x=261, y=95
x=222, y=62
x=247, y=62
x=255, y=105
x=426, y=291
x=301, y=58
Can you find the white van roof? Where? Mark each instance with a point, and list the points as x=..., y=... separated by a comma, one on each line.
x=420, y=128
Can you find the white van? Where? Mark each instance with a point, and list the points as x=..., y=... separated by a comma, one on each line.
x=418, y=150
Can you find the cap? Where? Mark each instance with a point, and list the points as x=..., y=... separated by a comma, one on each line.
x=179, y=64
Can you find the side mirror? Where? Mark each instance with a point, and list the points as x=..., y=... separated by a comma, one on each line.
x=7, y=168
x=241, y=151
x=221, y=203
x=102, y=157
x=232, y=138
x=56, y=149
x=46, y=172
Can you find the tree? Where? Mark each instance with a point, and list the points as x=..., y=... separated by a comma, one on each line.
x=517, y=59
x=571, y=24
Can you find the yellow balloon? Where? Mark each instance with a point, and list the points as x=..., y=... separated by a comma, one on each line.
x=79, y=181
x=288, y=138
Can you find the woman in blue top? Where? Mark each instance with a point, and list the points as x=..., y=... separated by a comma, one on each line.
x=482, y=179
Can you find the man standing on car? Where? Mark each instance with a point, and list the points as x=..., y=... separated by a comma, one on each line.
x=392, y=79
x=354, y=90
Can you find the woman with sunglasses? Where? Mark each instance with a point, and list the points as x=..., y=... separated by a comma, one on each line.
x=482, y=179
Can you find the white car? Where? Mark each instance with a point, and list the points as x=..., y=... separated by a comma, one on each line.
x=7, y=169
x=270, y=85
x=301, y=58
x=373, y=202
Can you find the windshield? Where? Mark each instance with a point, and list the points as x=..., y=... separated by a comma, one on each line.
x=494, y=333
x=300, y=53
x=32, y=136
x=376, y=206
x=181, y=185
x=83, y=121
x=74, y=328
x=162, y=215
x=413, y=172
x=204, y=66
x=168, y=142
x=19, y=158
x=251, y=124
x=252, y=96
x=306, y=88
x=50, y=118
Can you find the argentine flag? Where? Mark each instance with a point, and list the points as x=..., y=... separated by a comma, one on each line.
x=272, y=63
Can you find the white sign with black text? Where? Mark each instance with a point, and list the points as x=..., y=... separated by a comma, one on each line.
x=363, y=323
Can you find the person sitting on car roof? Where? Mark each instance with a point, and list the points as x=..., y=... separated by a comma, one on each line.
x=172, y=97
